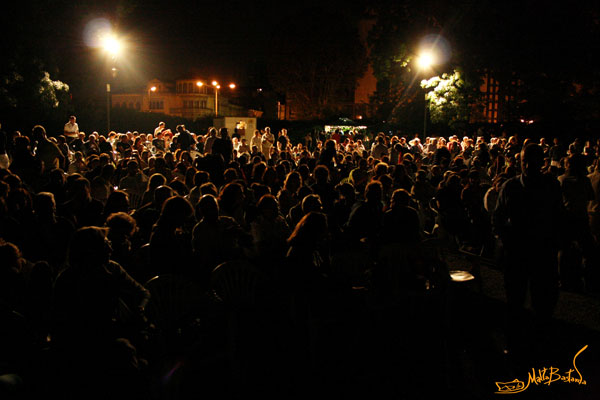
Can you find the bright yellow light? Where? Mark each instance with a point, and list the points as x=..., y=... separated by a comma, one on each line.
x=199, y=84
x=112, y=45
x=232, y=85
x=218, y=86
x=153, y=89
x=426, y=60
x=215, y=83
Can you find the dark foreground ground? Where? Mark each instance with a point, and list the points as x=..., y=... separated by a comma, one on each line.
x=448, y=347
x=423, y=346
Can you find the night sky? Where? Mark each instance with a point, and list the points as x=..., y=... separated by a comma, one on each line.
x=217, y=39
x=227, y=39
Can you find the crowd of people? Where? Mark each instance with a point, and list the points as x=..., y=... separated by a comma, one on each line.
x=88, y=219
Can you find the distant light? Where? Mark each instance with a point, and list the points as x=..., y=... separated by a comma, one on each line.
x=359, y=117
x=232, y=86
x=215, y=83
x=260, y=89
x=218, y=86
x=153, y=89
x=112, y=45
x=199, y=84
x=426, y=60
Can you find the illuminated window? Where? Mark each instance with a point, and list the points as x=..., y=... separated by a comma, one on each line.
x=156, y=105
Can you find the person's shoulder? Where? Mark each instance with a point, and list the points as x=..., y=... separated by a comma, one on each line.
x=227, y=221
x=511, y=183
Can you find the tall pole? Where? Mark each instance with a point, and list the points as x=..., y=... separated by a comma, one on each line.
x=425, y=117
x=108, y=108
x=216, y=101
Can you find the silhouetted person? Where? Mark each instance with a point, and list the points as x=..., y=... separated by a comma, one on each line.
x=528, y=219
x=215, y=238
x=93, y=352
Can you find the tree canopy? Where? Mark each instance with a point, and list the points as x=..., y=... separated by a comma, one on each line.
x=316, y=58
x=543, y=51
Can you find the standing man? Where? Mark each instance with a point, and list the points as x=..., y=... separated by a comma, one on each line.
x=185, y=138
x=267, y=142
x=159, y=128
x=47, y=151
x=71, y=130
x=529, y=221
x=256, y=140
x=283, y=140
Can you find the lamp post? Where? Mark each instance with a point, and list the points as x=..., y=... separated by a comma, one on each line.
x=424, y=61
x=216, y=86
x=112, y=46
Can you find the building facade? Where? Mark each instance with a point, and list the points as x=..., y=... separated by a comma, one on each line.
x=184, y=98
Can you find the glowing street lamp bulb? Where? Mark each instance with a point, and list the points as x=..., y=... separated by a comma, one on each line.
x=218, y=86
x=153, y=89
x=215, y=83
x=232, y=85
x=111, y=45
x=199, y=84
x=426, y=60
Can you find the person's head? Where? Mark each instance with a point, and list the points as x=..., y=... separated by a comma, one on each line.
x=132, y=168
x=400, y=198
x=532, y=159
x=381, y=169
x=38, y=132
x=161, y=194
x=176, y=211
x=11, y=257
x=89, y=247
x=576, y=165
x=208, y=207
x=80, y=188
x=120, y=225
x=44, y=205
x=268, y=206
x=209, y=188
x=321, y=174
x=311, y=202
x=118, y=201
x=231, y=196
x=374, y=192
x=293, y=181
x=155, y=181
x=230, y=175
x=309, y=231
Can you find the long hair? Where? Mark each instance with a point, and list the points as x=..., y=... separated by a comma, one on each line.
x=309, y=230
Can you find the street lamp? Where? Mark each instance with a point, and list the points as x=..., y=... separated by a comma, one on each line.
x=216, y=86
x=425, y=61
x=112, y=47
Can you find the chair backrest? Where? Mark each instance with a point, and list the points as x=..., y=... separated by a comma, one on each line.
x=236, y=283
x=173, y=300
